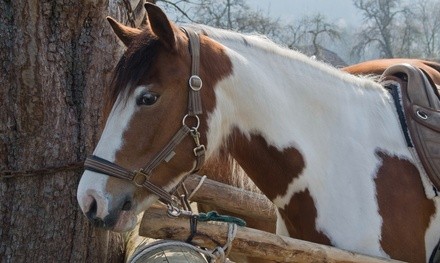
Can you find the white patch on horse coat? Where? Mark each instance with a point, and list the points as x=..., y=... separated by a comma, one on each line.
x=427, y=185
x=298, y=185
x=331, y=117
x=281, y=228
x=87, y=191
x=92, y=183
x=432, y=233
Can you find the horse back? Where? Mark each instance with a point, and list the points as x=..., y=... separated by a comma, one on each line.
x=378, y=66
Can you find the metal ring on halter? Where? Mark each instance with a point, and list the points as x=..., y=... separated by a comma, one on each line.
x=195, y=116
x=139, y=178
x=195, y=82
x=422, y=115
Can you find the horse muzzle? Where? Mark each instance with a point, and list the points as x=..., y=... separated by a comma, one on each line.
x=113, y=211
x=120, y=219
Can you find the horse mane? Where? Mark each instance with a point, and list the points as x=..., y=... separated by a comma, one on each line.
x=251, y=40
x=141, y=54
x=264, y=44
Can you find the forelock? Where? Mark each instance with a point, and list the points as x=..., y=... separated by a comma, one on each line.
x=134, y=65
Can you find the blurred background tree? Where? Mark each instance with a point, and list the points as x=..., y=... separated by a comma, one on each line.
x=390, y=28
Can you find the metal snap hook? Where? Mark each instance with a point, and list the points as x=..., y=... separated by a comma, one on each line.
x=173, y=211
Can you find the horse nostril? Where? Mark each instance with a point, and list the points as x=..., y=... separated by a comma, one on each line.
x=110, y=219
x=91, y=214
x=126, y=206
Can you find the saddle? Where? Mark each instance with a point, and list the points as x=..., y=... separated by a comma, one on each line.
x=419, y=101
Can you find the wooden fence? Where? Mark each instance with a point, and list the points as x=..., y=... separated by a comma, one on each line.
x=156, y=223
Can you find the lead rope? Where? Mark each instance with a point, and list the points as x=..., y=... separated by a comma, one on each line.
x=219, y=253
x=202, y=180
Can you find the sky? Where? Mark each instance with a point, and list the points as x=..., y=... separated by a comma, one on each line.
x=342, y=12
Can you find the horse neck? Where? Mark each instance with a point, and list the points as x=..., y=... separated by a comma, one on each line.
x=279, y=109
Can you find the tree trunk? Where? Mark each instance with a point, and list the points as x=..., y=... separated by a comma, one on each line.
x=55, y=60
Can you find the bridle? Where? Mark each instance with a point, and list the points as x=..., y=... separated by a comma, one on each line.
x=141, y=177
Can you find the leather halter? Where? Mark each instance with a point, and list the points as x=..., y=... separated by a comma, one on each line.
x=141, y=177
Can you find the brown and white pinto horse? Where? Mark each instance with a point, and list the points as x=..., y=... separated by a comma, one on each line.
x=324, y=146
x=378, y=66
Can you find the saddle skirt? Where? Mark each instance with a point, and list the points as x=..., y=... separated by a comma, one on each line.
x=420, y=103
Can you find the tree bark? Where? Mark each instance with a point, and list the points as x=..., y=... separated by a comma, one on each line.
x=55, y=60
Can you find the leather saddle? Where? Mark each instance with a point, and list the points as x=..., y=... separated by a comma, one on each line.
x=420, y=103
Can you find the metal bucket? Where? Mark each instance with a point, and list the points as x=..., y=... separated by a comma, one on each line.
x=165, y=251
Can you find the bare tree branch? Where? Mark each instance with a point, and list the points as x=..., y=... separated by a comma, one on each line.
x=380, y=18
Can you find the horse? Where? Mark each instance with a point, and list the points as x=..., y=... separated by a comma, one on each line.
x=378, y=66
x=324, y=146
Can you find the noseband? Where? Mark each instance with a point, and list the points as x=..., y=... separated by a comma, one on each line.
x=141, y=177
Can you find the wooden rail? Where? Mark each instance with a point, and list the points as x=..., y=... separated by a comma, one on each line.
x=248, y=242
x=231, y=199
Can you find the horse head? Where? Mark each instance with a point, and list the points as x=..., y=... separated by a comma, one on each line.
x=155, y=129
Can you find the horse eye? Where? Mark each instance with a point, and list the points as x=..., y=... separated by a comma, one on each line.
x=147, y=99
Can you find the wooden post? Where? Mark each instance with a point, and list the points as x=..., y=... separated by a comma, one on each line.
x=249, y=242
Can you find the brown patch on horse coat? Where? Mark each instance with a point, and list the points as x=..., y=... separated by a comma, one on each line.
x=215, y=65
x=377, y=67
x=263, y=163
x=400, y=196
x=300, y=216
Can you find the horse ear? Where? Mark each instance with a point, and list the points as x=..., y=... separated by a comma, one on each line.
x=161, y=26
x=125, y=34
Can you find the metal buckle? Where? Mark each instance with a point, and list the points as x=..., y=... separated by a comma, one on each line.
x=195, y=82
x=199, y=149
x=140, y=178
